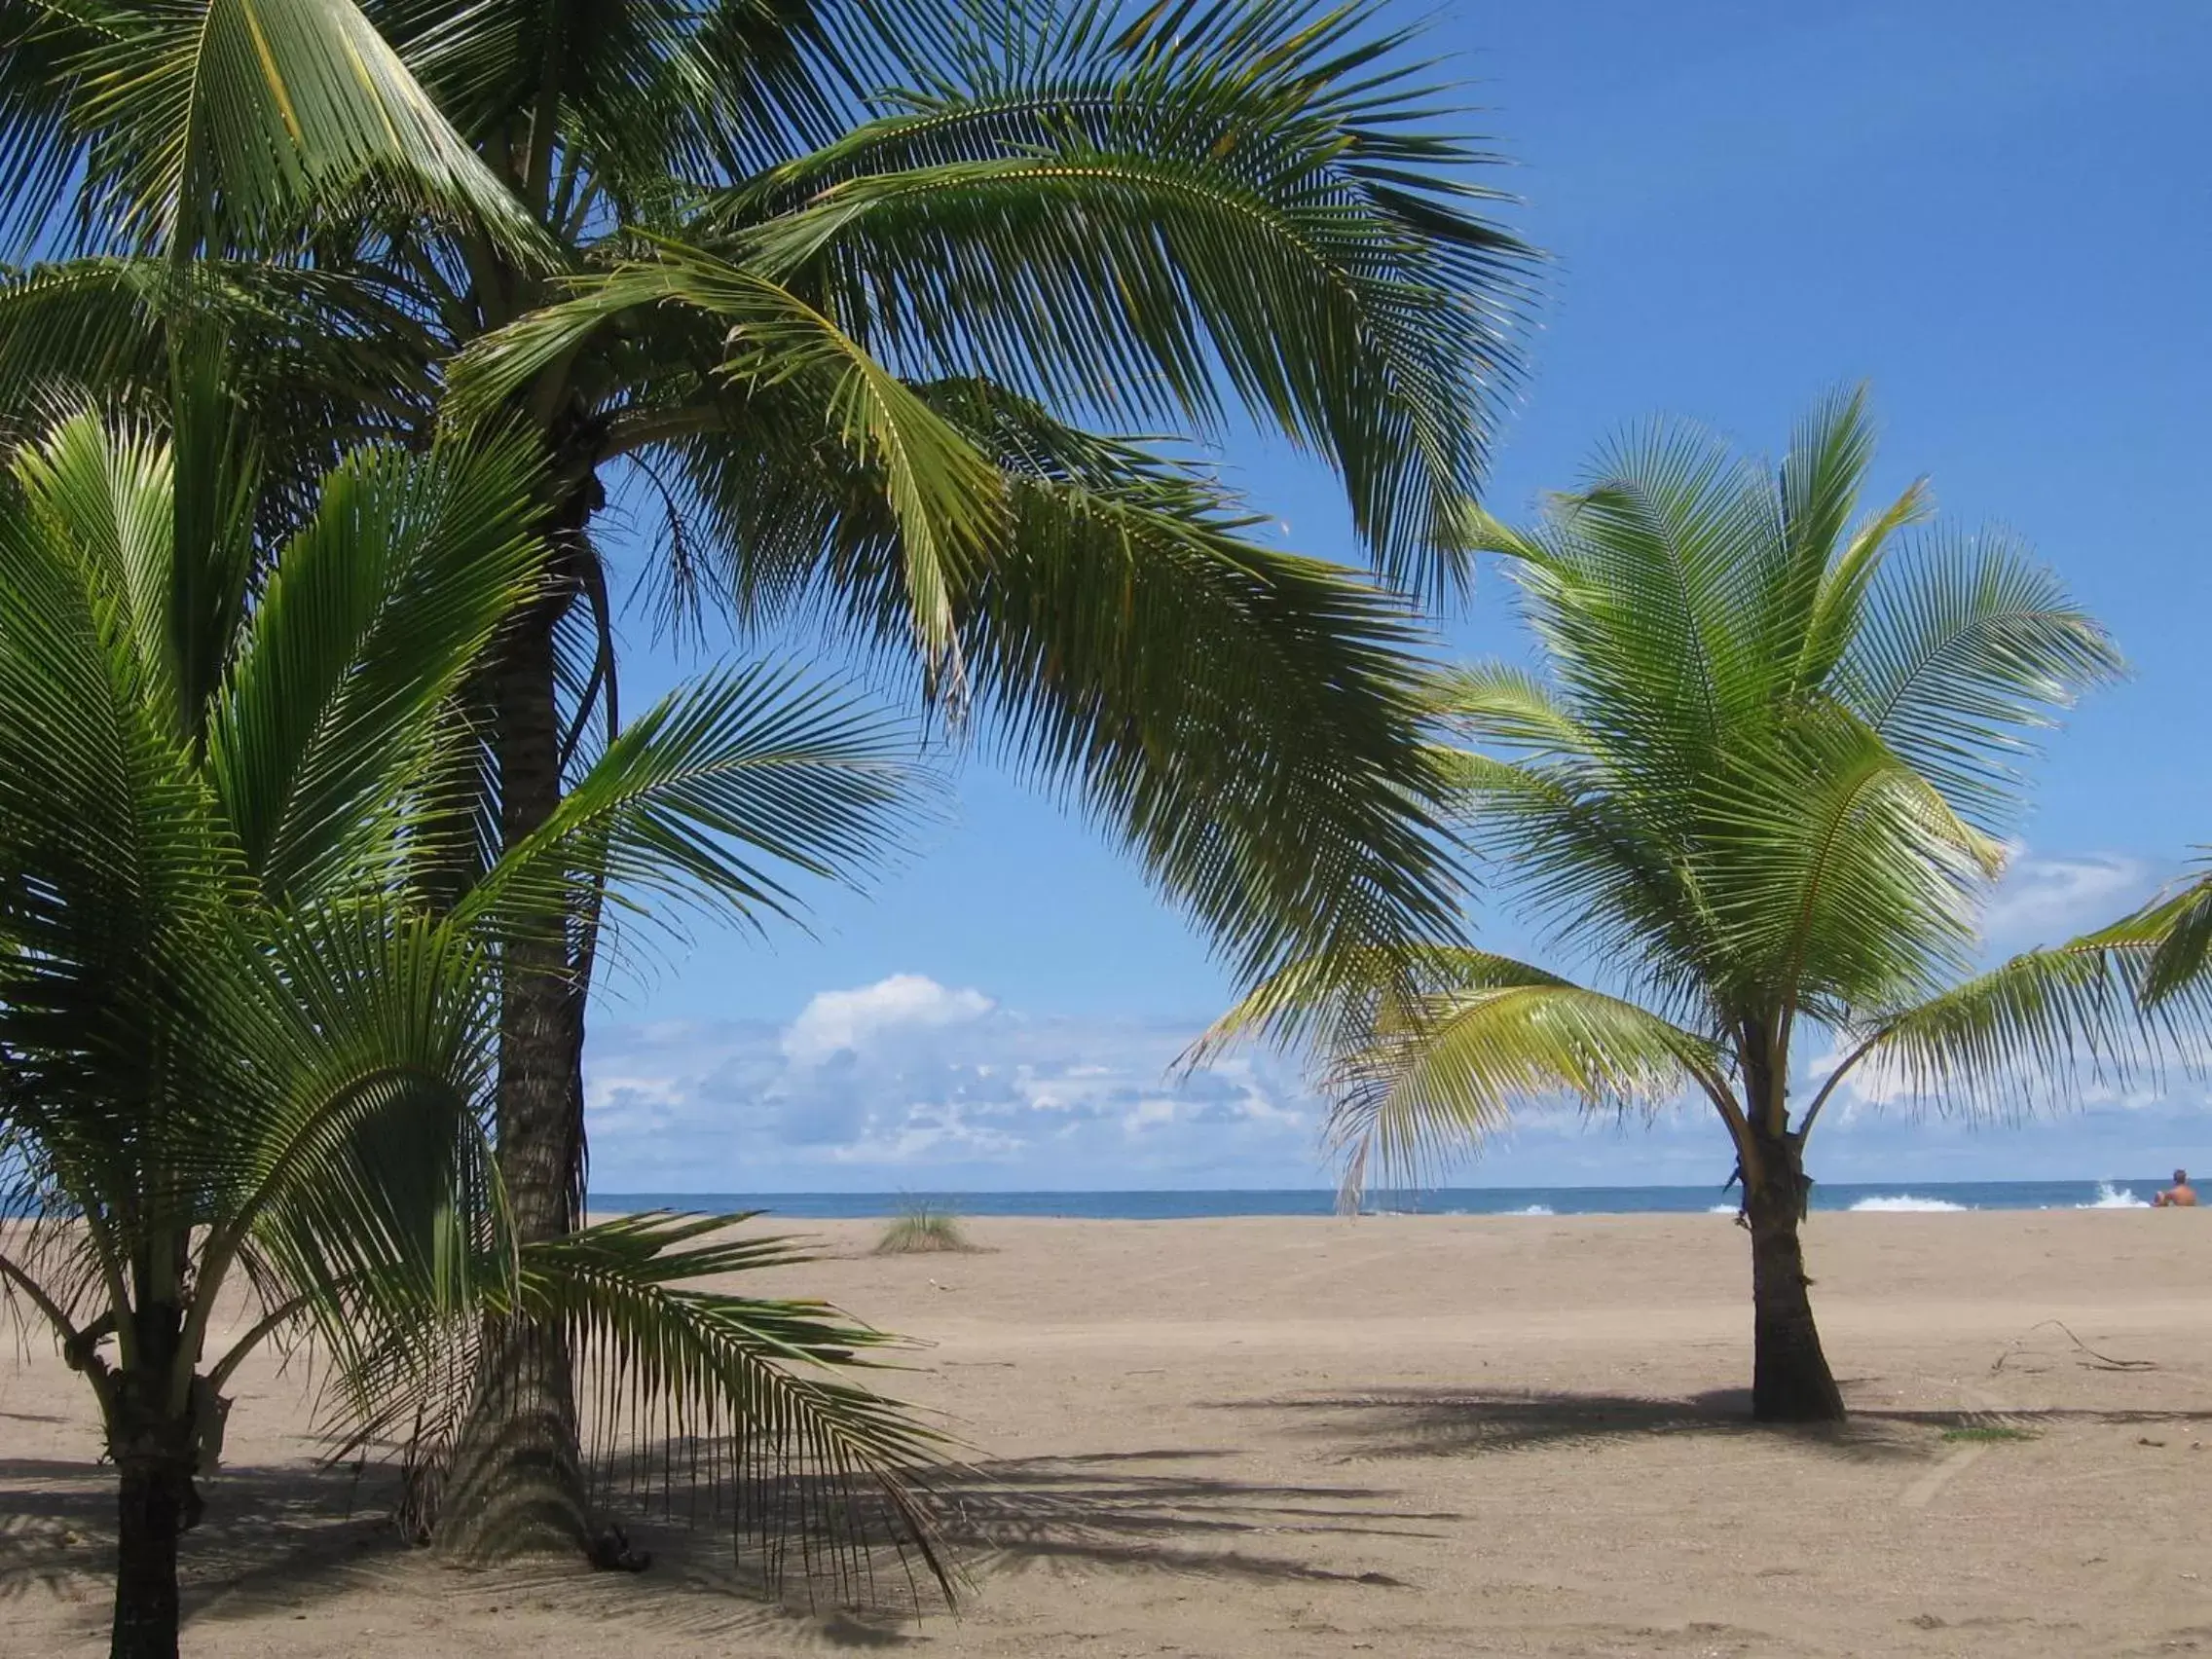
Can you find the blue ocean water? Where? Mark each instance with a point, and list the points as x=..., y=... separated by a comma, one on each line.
x=1441, y=1201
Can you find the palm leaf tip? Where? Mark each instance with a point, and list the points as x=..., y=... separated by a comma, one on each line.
x=748, y=1393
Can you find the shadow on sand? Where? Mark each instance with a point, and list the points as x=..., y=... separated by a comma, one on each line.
x=1135, y=1511
x=278, y=1541
x=1428, y=1421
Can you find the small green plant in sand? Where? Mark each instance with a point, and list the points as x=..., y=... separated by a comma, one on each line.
x=924, y=1228
x=1984, y=1434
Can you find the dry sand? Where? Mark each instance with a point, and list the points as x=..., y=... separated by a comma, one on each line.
x=1274, y=1438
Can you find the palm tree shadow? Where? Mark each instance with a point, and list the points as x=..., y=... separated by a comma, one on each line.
x=1446, y=1423
x=1132, y=1512
x=276, y=1540
x=292, y=1531
x=1431, y=1421
x=1123, y=1512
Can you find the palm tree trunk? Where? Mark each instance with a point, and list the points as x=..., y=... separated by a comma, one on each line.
x=154, y=1452
x=517, y=1482
x=153, y=1499
x=1791, y=1380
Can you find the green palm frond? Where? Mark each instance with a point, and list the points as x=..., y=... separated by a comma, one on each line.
x=1264, y=201
x=1439, y=1045
x=1504, y=706
x=377, y=610
x=940, y=492
x=2183, y=925
x=2042, y=1026
x=1590, y=865
x=1134, y=616
x=1831, y=560
x=218, y=122
x=1130, y=619
x=1966, y=653
x=1834, y=867
x=727, y=792
x=686, y=1385
x=750, y=1386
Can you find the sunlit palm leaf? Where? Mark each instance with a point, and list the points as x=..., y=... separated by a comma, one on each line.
x=198, y=122
x=1964, y=655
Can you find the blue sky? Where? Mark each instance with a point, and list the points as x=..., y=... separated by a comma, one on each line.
x=2000, y=215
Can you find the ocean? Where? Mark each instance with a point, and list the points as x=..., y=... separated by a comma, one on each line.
x=1892, y=1196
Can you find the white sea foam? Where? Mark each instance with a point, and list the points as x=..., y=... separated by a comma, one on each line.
x=1905, y=1201
x=1723, y=1209
x=1531, y=1209
x=2110, y=1197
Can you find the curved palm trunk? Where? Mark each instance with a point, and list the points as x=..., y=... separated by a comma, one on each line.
x=517, y=1482
x=1791, y=1380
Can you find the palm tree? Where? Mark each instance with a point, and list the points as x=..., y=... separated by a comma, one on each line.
x=1757, y=790
x=249, y=1015
x=846, y=283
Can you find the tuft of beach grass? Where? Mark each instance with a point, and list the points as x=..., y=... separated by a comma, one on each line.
x=924, y=1228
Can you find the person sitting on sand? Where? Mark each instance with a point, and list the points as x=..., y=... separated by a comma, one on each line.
x=2179, y=1196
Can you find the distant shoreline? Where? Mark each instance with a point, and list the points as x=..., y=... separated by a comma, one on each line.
x=1171, y=1206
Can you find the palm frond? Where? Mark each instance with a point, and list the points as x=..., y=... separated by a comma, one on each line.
x=943, y=495
x=220, y=122
x=2040, y=1027
x=377, y=610
x=1506, y=707
x=723, y=793
x=1839, y=875
x=741, y=1392
x=1264, y=203
x=1435, y=1075
x=1965, y=655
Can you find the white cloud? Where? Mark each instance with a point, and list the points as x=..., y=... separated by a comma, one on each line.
x=2051, y=898
x=839, y=1020
x=908, y=1085
x=907, y=1082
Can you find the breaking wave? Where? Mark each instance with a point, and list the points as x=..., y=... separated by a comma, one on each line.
x=2110, y=1197
x=1905, y=1201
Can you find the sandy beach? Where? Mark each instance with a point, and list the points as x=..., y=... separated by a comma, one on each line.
x=1263, y=1439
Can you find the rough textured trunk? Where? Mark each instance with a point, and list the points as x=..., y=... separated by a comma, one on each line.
x=517, y=1485
x=1791, y=1380
x=154, y=1452
x=155, y=1501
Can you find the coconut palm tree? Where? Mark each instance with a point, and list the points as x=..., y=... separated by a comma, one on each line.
x=848, y=285
x=1757, y=791
x=249, y=1019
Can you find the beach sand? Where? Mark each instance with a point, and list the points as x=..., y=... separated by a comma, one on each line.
x=1271, y=1438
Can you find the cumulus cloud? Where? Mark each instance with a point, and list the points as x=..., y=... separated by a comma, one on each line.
x=911, y=1083
x=836, y=1021
x=2048, y=898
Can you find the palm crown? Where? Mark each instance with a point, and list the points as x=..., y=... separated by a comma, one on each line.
x=1761, y=784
